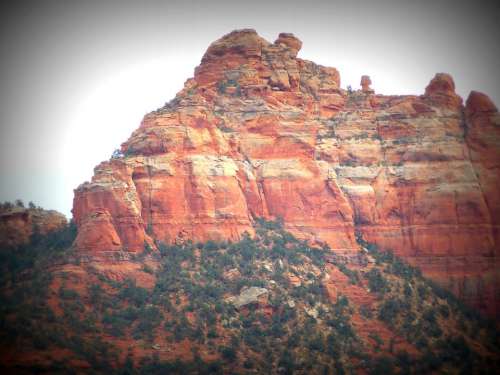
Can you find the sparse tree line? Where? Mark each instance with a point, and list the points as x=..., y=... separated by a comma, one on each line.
x=18, y=203
x=188, y=303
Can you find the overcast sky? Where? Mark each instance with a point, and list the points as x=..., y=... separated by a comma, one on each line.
x=78, y=76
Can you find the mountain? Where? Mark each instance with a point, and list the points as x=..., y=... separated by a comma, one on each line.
x=259, y=132
x=268, y=221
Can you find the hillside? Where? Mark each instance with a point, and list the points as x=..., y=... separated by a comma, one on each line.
x=266, y=220
x=269, y=303
x=260, y=132
x=18, y=223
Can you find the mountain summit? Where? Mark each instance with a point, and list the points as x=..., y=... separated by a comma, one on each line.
x=260, y=132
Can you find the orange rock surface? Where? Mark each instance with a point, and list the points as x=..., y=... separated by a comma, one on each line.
x=260, y=132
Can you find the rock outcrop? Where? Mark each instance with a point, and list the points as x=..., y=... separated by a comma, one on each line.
x=248, y=296
x=18, y=224
x=365, y=84
x=260, y=132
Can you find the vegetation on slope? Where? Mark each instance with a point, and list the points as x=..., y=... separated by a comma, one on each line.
x=189, y=321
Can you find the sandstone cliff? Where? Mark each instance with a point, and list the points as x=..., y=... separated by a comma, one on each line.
x=260, y=132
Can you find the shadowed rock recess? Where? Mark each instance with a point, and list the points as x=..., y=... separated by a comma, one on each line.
x=259, y=132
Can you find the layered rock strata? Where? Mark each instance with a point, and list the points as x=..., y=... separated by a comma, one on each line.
x=260, y=132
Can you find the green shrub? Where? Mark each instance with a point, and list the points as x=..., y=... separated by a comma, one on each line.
x=376, y=282
x=382, y=366
x=378, y=340
x=389, y=311
x=228, y=354
x=68, y=294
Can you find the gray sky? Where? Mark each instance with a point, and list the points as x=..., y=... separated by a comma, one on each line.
x=77, y=76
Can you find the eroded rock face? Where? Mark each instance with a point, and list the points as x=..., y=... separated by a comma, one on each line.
x=365, y=84
x=260, y=132
x=441, y=91
x=291, y=41
x=17, y=224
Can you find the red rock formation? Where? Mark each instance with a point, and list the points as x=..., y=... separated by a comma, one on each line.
x=260, y=132
x=290, y=41
x=441, y=91
x=365, y=84
x=17, y=224
x=483, y=142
